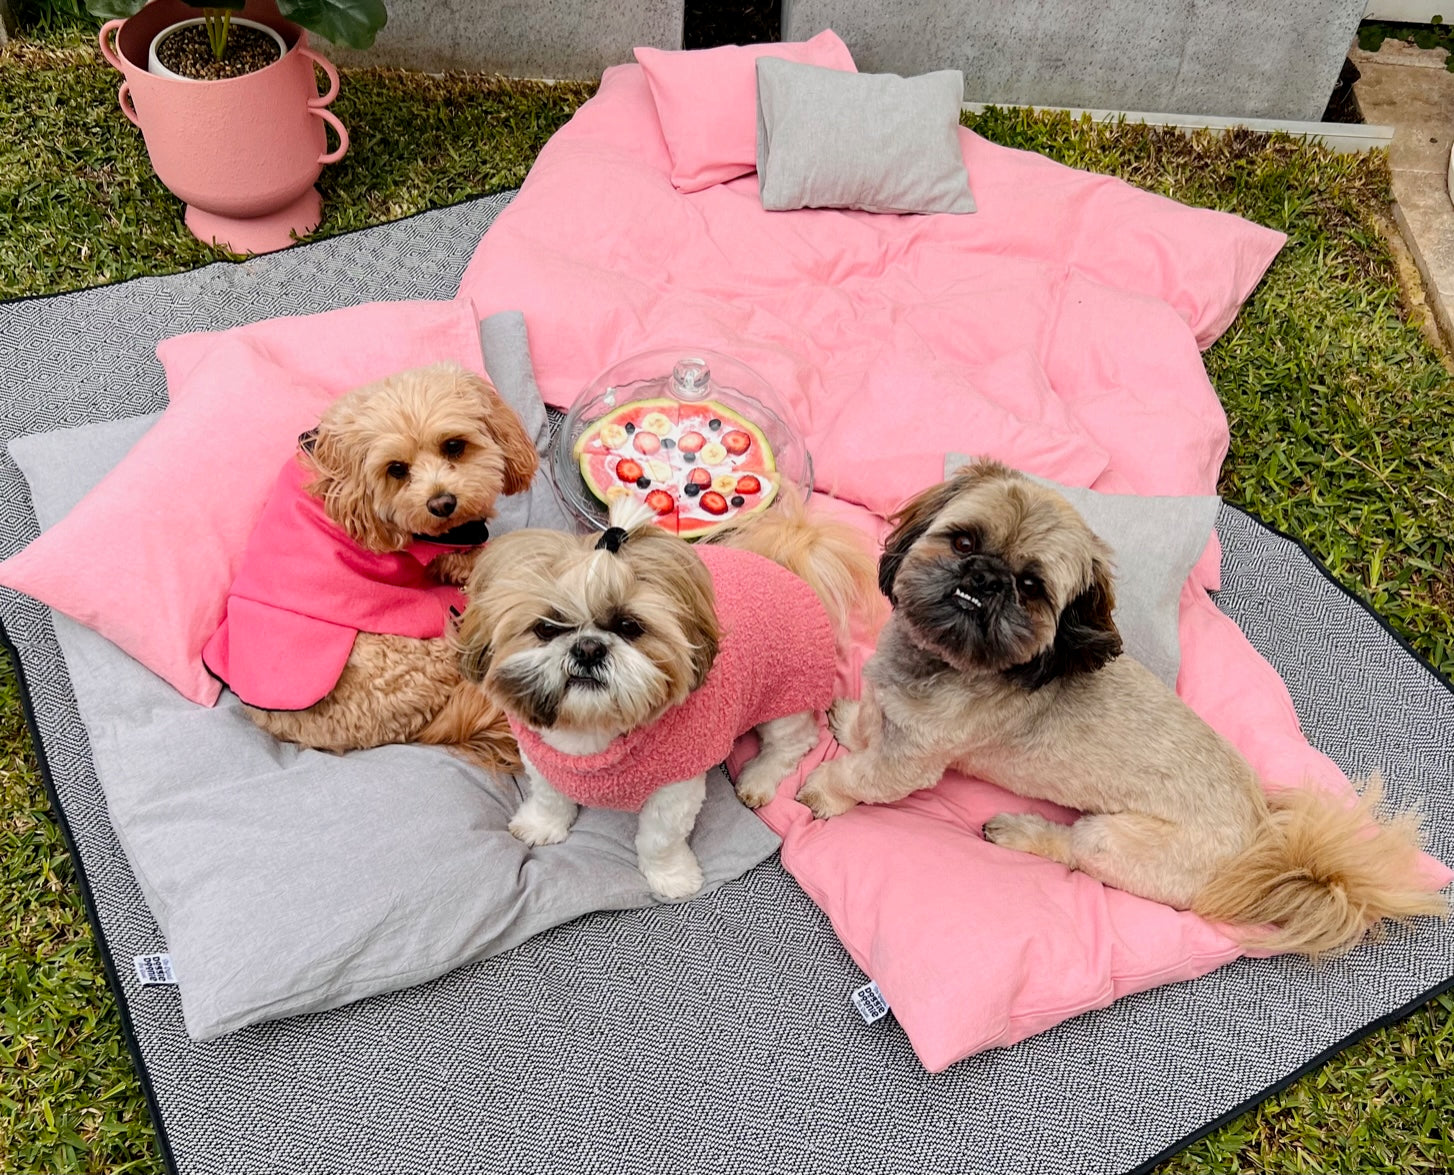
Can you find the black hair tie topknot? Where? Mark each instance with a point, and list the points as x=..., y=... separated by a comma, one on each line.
x=611, y=539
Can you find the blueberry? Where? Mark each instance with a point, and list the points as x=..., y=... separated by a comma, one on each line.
x=714, y=424
x=691, y=489
x=738, y=499
x=642, y=482
x=689, y=456
x=668, y=443
x=630, y=428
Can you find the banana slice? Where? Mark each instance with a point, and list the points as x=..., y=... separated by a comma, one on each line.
x=725, y=483
x=657, y=422
x=714, y=454
x=613, y=436
x=660, y=470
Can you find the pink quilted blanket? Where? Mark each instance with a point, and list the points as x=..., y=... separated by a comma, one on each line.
x=1059, y=329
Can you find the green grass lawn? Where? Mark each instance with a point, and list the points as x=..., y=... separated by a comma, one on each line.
x=1341, y=418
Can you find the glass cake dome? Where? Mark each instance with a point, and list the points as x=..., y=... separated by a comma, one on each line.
x=697, y=436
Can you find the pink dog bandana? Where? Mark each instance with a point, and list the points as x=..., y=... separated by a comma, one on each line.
x=305, y=590
x=776, y=658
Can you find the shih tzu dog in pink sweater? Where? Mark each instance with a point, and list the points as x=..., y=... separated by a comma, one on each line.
x=629, y=663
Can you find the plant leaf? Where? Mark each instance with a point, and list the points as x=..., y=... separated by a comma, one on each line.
x=344, y=22
x=114, y=9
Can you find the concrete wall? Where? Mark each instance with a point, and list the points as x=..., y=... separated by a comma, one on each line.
x=521, y=38
x=1253, y=58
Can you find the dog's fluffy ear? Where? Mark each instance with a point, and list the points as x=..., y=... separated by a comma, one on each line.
x=334, y=454
x=472, y=643
x=1086, y=637
x=503, y=423
x=916, y=516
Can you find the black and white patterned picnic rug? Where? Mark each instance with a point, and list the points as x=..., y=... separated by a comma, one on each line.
x=715, y=1036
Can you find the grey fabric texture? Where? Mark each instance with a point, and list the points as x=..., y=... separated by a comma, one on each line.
x=1156, y=541
x=877, y=142
x=287, y=880
x=715, y=1034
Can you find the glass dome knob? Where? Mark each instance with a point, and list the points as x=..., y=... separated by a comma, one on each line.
x=691, y=380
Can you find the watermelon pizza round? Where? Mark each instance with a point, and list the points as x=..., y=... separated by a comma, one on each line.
x=695, y=465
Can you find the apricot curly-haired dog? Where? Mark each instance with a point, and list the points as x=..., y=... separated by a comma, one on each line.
x=338, y=632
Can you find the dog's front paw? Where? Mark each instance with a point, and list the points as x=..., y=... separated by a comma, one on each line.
x=673, y=876
x=823, y=793
x=842, y=718
x=757, y=783
x=1022, y=831
x=538, y=826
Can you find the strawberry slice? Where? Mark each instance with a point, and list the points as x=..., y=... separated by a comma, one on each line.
x=661, y=501
x=628, y=470
x=700, y=477
x=691, y=442
x=737, y=442
x=713, y=502
x=646, y=443
x=747, y=484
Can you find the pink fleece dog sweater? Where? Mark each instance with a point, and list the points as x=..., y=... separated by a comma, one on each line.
x=305, y=590
x=776, y=658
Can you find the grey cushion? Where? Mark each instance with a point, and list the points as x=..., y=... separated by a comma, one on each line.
x=1156, y=542
x=290, y=881
x=878, y=142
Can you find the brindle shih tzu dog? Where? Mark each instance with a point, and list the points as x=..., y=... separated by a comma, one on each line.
x=1001, y=660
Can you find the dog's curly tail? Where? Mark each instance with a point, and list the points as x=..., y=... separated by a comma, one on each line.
x=1323, y=874
x=474, y=727
x=831, y=557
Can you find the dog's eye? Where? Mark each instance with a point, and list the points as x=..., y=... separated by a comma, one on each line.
x=1031, y=587
x=548, y=630
x=453, y=447
x=963, y=544
x=398, y=470
x=628, y=628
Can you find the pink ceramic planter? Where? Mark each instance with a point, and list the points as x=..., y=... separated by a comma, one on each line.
x=242, y=153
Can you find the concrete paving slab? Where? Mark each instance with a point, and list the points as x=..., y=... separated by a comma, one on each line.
x=1418, y=102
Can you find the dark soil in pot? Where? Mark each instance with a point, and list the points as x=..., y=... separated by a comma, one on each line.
x=188, y=52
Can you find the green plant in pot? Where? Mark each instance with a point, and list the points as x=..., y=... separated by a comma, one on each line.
x=215, y=44
x=227, y=99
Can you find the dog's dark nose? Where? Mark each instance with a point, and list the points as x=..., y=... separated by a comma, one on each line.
x=987, y=579
x=442, y=505
x=588, y=652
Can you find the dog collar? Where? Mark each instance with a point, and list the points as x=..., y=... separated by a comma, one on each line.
x=468, y=534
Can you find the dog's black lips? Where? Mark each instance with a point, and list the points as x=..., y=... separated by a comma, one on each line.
x=466, y=534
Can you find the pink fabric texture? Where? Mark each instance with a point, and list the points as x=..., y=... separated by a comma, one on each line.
x=706, y=100
x=162, y=535
x=1059, y=329
x=305, y=590
x=776, y=658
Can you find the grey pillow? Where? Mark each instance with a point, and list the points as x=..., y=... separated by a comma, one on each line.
x=878, y=142
x=1156, y=542
x=289, y=881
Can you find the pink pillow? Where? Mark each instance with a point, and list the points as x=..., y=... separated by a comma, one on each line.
x=146, y=557
x=706, y=100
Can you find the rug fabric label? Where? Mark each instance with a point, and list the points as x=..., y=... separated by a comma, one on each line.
x=154, y=970
x=870, y=1003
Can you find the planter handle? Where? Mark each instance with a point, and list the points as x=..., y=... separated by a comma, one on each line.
x=327, y=67
x=332, y=120
x=128, y=107
x=108, y=51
